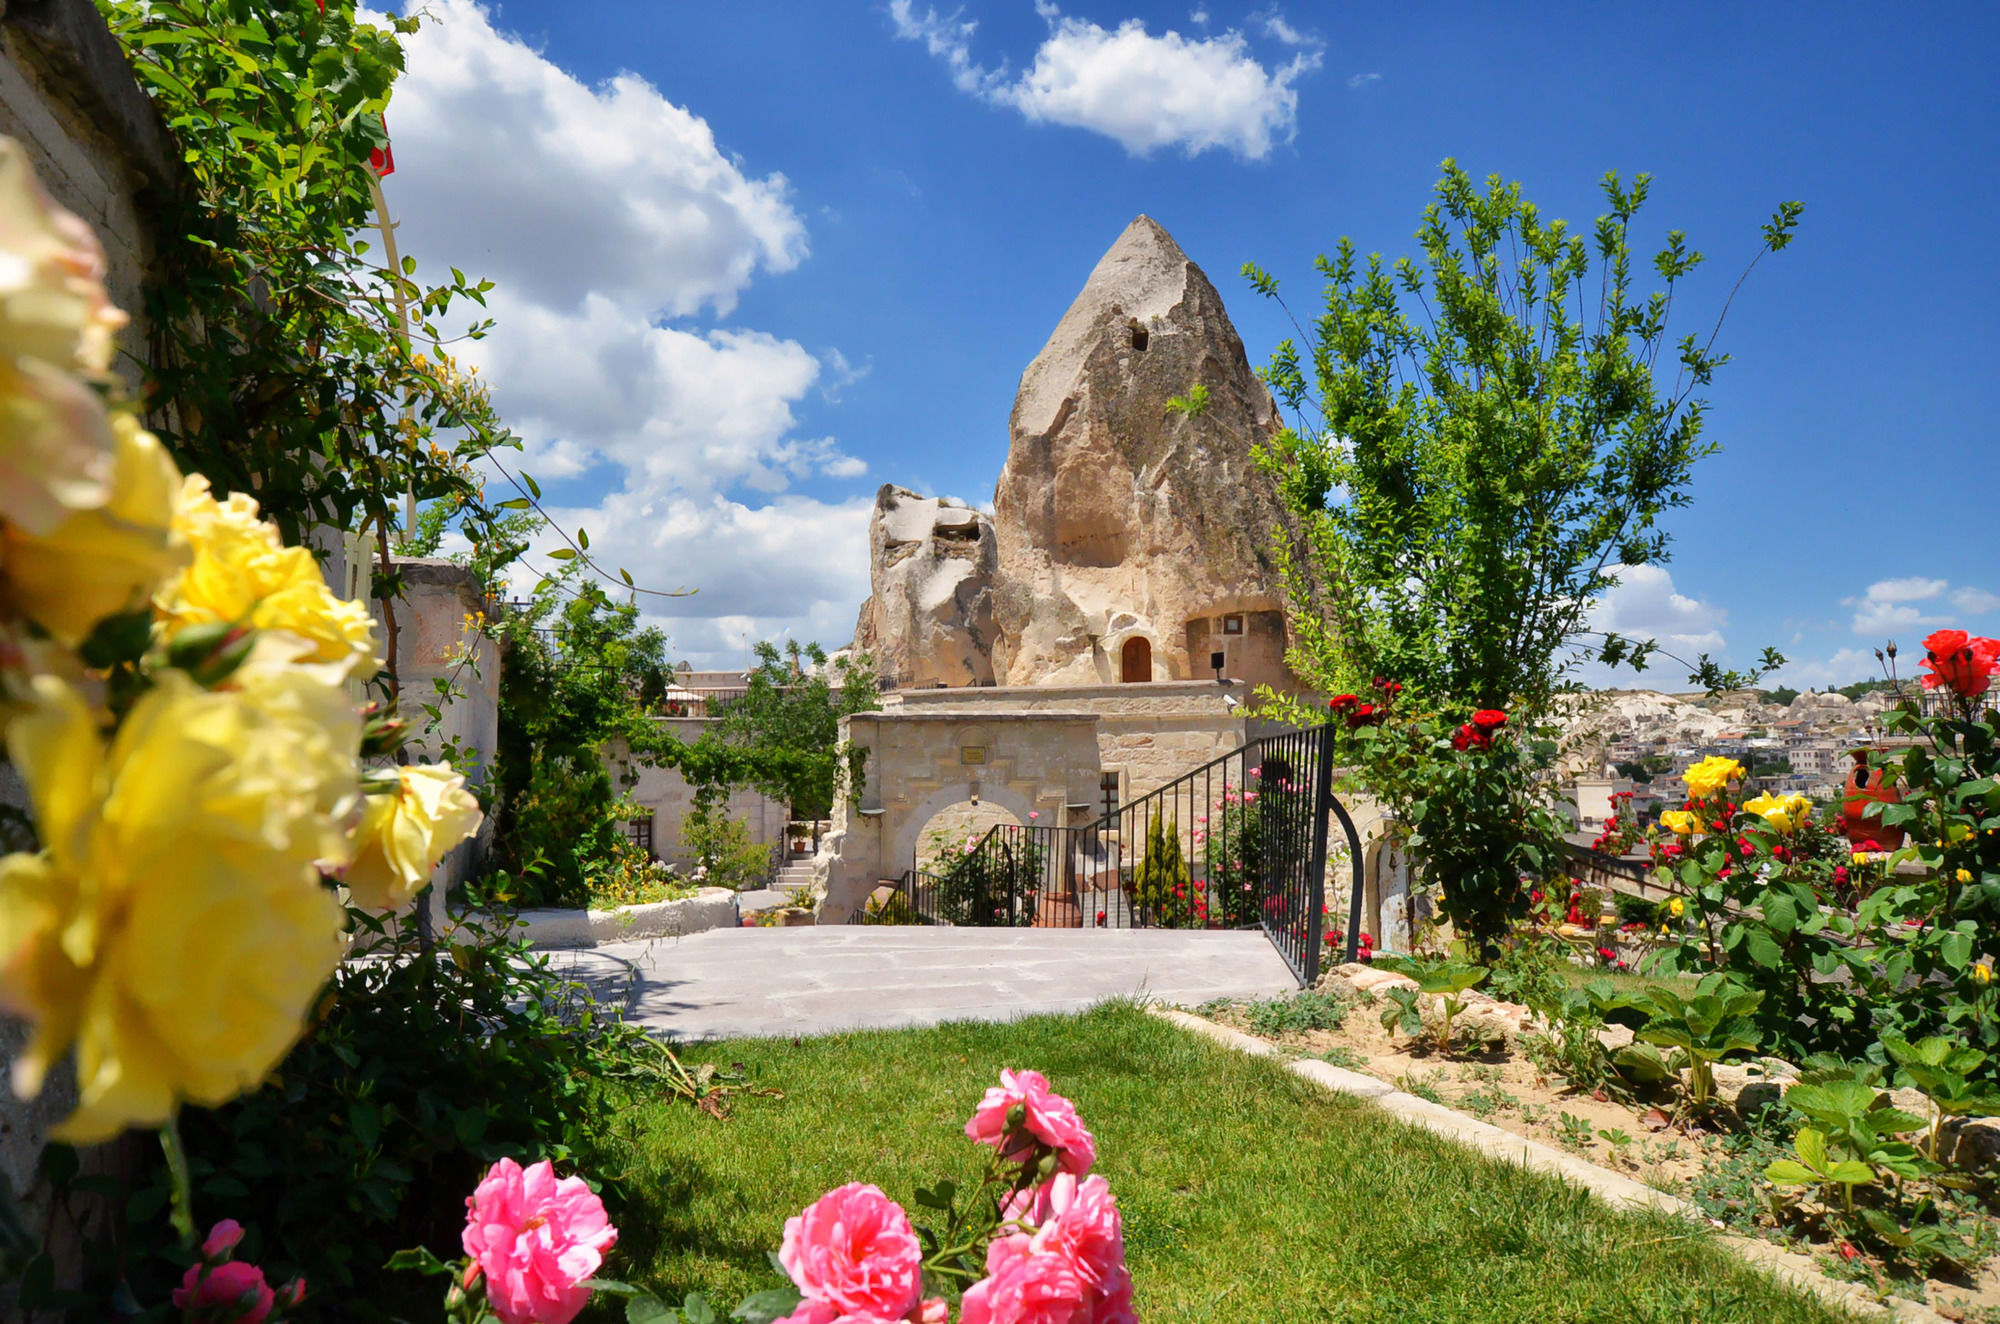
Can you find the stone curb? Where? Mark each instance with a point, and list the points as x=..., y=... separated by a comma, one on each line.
x=1615, y=1189
x=710, y=908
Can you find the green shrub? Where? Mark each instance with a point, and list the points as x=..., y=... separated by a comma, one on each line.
x=418, y=1073
x=1309, y=1010
x=722, y=850
x=1161, y=887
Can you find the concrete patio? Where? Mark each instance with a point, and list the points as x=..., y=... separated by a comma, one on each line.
x=729, y=983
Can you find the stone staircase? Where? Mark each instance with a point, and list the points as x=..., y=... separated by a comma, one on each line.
x=793, y=873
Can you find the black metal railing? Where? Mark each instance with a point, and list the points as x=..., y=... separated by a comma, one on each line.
x=1238, y=843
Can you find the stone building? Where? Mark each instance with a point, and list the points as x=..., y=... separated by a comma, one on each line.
x=1129, y=541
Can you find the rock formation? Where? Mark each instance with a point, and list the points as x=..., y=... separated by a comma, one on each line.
x=1120, y=520
x=1129, y=541
x=929, y=617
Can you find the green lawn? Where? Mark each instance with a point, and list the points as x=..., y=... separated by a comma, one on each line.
x=1248, y=1194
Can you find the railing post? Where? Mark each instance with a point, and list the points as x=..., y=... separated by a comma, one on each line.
x=1322, y=813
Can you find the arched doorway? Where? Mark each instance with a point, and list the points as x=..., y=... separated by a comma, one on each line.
x=1136, y=660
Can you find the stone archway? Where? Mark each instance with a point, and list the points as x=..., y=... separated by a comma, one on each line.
x=903, y=847
x=1035, y=765
x=1135, y=660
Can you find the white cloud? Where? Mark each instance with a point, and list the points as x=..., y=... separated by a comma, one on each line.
x=1359, y=81
x=1276, y=27
x=1974, y=601
x=1198, y=17
x=1644, y=604
x=793, y=563
x=609, y=217
x=1845, y=667
x=1891, y=604
x=1144, y=91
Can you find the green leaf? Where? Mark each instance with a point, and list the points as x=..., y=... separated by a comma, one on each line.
x=1955, y=949
x=763, y=1307
x=419, y=1259
x=697, y=1310
x=1849, y=1173
x=562, y=554
x=1789, y=1172
x=650, y=1310
x=1811, y=1144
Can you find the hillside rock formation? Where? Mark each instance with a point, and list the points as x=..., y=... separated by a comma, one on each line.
x=1128, y=541
x=1119, y=519
x=929, y=616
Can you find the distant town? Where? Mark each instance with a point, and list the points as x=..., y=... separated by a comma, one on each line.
x=1641, y=741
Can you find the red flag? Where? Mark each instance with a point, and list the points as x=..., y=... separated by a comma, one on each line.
x=382, y=160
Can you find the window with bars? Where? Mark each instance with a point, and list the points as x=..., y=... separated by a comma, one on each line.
x=639, y=831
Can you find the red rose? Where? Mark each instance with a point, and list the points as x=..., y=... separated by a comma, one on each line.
x=1342, y=702
x=1960, y=662
x=1393, y=688
x=1363, y=715
x=1488, y=719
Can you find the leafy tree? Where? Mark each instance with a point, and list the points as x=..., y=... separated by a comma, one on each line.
x=1782, y=696
x=1476, y=452
x=579, y=671
x=789, y=717
x=1162, y=886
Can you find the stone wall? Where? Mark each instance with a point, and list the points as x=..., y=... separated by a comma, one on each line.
x=1147, y=734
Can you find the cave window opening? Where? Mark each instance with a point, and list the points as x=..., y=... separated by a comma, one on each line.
x=1140, y=337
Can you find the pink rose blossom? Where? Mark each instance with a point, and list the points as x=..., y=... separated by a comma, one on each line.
x=536, y=1239
x=222, y=1239
x=1022, y=1287
x=231, y=1293
x=932, y=1311
x=853, y=1250
x=1080, y=1222
x=1048, y=1117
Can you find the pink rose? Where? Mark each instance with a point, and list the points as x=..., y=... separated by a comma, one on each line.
x=1070, y=1270
x=819, y=1312
x=853, y=1249
x=1080, y=1222
x=536, y=1239
x=1046, y=1116
x=1022, y=1287
x=222, y=1239
x=229, y=1293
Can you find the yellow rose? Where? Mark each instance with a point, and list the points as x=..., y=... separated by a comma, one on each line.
x=1859, y=857
x=100, y=562
x=1712, y=776
x=405, y=832
x=1676, y=907
x=1786, y=814
x=1679, y=822
x=1965, y=875
x=243, y=573
x=55, y=321
x=1982, y=972
x=174, y=930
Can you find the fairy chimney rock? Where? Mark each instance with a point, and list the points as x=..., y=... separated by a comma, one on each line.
x=929, y=616
x=1134, y=540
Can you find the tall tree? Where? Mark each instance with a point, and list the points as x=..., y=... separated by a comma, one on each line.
x=1482, y=441
x=789, y=716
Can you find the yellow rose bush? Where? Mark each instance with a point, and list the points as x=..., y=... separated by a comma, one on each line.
x=174, y=929
x=405, y=831
x=243, y=574
x=1712, y=776
x=56, y=326
x=196, y=786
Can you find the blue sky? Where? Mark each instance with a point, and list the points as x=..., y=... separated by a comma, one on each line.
x=756, y=259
